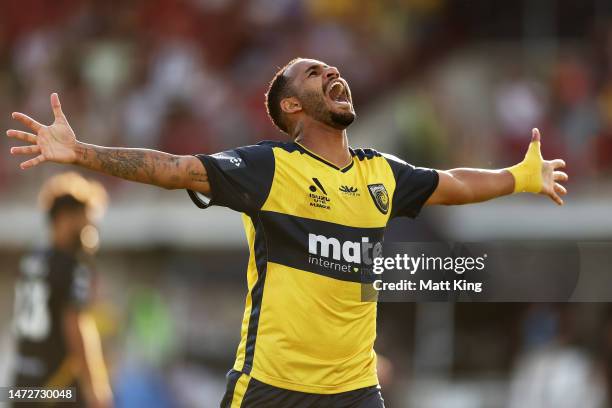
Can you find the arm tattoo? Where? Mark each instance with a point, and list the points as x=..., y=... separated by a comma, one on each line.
x=124, y=163
x=142, y=165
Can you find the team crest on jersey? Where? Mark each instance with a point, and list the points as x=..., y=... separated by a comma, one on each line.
x=380, y=196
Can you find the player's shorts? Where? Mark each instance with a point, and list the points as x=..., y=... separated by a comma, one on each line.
x=243, y=391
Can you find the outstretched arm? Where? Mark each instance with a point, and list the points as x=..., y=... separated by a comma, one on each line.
x=83, y=343
x=57, y=143
x=533, y=174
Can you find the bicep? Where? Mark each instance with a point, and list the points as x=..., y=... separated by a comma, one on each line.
x=194, y=175
x=449, y=189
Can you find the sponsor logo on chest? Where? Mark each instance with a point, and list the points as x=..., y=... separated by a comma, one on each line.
x=318, y=197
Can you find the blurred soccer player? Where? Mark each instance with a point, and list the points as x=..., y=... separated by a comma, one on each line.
x=315, y=212
x=58, y=343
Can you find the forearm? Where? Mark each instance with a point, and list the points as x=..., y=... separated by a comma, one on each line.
x=477, y=185
x=142, y=165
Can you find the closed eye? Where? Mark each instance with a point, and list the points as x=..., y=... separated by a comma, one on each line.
x=312, y=73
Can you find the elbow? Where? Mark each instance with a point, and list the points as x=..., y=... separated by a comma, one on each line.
x=173, y=183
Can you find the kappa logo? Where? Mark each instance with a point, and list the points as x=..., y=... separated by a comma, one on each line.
x=380, y=196
x=349, y=191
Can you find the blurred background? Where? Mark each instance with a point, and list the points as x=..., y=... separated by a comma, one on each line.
x=438, y=83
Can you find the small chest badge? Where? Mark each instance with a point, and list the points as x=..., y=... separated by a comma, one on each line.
x=380, y=196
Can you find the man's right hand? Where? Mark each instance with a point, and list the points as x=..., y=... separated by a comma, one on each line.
x=55, y=143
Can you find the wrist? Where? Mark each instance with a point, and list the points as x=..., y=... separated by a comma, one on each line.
x=80, y=153
x=528, y=173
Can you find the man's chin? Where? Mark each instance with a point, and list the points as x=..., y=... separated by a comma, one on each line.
x=342, y=119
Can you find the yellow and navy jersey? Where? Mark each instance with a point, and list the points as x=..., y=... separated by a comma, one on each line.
x=313, y=230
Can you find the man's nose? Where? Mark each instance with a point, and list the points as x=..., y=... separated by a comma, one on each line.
x=331, y=73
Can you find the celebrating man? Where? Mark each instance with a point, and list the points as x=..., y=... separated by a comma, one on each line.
x=315, y=211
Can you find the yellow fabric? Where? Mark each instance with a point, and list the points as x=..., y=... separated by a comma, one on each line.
x=240, y=390
x=323, y=342
x=251, y=279
x=295, y=170
x=63, y=377
x=528, y=173
x=315, y=334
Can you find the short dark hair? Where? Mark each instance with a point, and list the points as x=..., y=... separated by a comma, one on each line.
x=279, y=89
x=65, y=203
x=69, y=192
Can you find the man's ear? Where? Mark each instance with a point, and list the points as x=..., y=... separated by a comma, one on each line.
x=291, y=105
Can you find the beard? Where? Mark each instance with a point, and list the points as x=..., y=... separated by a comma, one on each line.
x=343, y=119
x=314, y=106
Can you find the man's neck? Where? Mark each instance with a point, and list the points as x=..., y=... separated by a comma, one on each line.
x=328, y=143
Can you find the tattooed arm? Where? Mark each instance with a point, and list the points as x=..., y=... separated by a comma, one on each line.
x=58, y=143
x=145, y=166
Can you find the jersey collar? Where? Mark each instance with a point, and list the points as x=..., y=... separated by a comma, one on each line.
x=344, y=169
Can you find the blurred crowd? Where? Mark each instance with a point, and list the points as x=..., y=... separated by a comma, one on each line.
x=477, y=105
x=571, y=102
x=188, y=76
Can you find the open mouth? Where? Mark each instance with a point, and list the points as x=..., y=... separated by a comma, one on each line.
x=338, y=93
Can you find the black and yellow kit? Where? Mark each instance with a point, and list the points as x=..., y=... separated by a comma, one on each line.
x=313, y=230
x=247, y=392
x=50, y=281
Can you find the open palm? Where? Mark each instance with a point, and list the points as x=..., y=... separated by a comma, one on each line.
x=55, y=143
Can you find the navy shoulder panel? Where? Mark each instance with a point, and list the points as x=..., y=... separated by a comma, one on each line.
x=288, y=146
x=365, y=154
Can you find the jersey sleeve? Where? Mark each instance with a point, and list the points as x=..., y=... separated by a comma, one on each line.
x=80, y=289
x=74, y=285
x=239, y=179
x=413, y=186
